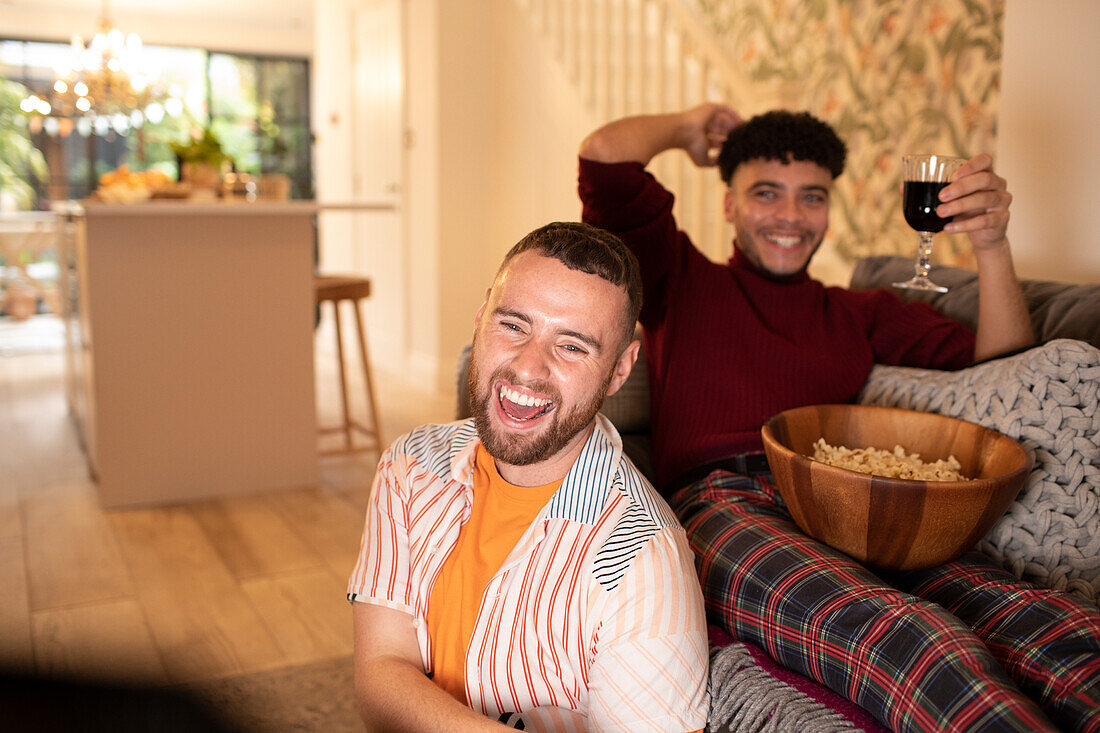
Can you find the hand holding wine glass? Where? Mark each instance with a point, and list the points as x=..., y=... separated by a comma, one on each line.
x=925, y=176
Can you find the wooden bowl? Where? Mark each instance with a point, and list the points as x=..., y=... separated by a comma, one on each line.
x=893, y=523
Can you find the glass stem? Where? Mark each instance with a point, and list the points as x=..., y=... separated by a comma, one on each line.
x=925, y=252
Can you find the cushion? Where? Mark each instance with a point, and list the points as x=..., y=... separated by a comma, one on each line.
x=462, y=405
x=628, y=409
x=1045, y=398
x=1058, y=310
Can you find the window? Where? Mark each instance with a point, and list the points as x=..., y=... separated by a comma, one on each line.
x=258, y=106
x=259, y=109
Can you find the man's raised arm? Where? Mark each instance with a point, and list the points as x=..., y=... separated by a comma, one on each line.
x=391, y=689
x=699, y=131
x=978, y=200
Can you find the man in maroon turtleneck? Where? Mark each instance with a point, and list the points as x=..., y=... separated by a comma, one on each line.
x=728, y=346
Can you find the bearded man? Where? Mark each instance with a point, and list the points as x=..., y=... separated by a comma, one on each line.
x=516, y=569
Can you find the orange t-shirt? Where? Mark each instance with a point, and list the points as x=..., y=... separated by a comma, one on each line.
x=500, y=514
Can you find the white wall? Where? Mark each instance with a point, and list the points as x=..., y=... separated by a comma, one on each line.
x=541, y=120
x=331, y=121
x=424, y=190
x=510, y=125
x=224, y=29
x=494, y=128
x=1047, y=143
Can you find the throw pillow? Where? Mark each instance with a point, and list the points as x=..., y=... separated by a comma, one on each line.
x=1046, y=398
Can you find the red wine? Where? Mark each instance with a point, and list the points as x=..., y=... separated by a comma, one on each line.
x=921, y=199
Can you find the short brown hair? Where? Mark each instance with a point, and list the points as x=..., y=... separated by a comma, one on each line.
x=594, y=251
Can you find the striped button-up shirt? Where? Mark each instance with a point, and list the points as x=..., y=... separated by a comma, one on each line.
x=595, y=620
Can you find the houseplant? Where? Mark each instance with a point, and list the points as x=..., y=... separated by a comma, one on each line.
x=201, y=159
x=21, y=163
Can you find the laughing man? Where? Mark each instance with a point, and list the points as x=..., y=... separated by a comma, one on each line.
x=516, y=570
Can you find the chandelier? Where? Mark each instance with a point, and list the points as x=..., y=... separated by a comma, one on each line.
x=103, y=85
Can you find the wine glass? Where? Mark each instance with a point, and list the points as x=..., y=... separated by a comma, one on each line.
x=925, y=176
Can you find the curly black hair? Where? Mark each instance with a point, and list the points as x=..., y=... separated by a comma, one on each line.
x=785, y=136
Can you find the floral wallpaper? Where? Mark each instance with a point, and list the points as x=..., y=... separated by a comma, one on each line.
x=892, y=76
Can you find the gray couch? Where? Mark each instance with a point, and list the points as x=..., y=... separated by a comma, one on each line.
x=1058, y=310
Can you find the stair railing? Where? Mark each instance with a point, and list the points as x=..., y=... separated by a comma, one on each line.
x=631, y=57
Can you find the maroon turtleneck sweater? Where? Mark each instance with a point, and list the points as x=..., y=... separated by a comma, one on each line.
x=728, y=347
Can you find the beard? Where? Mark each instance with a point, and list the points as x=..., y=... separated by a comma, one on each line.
x=525, y=449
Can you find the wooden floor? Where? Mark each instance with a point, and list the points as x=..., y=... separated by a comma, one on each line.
x=175, y=593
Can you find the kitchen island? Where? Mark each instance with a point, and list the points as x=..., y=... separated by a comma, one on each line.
x=190, y=347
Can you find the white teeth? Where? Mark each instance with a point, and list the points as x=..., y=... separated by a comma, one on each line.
x=785, y=242
x=521, y=399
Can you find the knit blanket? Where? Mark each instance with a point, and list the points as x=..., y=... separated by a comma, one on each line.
x=750, y=693
x=1045, y=398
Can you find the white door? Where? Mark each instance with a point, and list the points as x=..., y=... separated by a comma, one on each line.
x=378, y=100
x=378, y=171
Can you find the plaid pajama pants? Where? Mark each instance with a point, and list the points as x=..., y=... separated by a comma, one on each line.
x=965, y=646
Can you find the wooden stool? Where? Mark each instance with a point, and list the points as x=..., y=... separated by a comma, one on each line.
x=334, y=288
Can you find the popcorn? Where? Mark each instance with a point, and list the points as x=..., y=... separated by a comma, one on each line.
x=892, y=464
